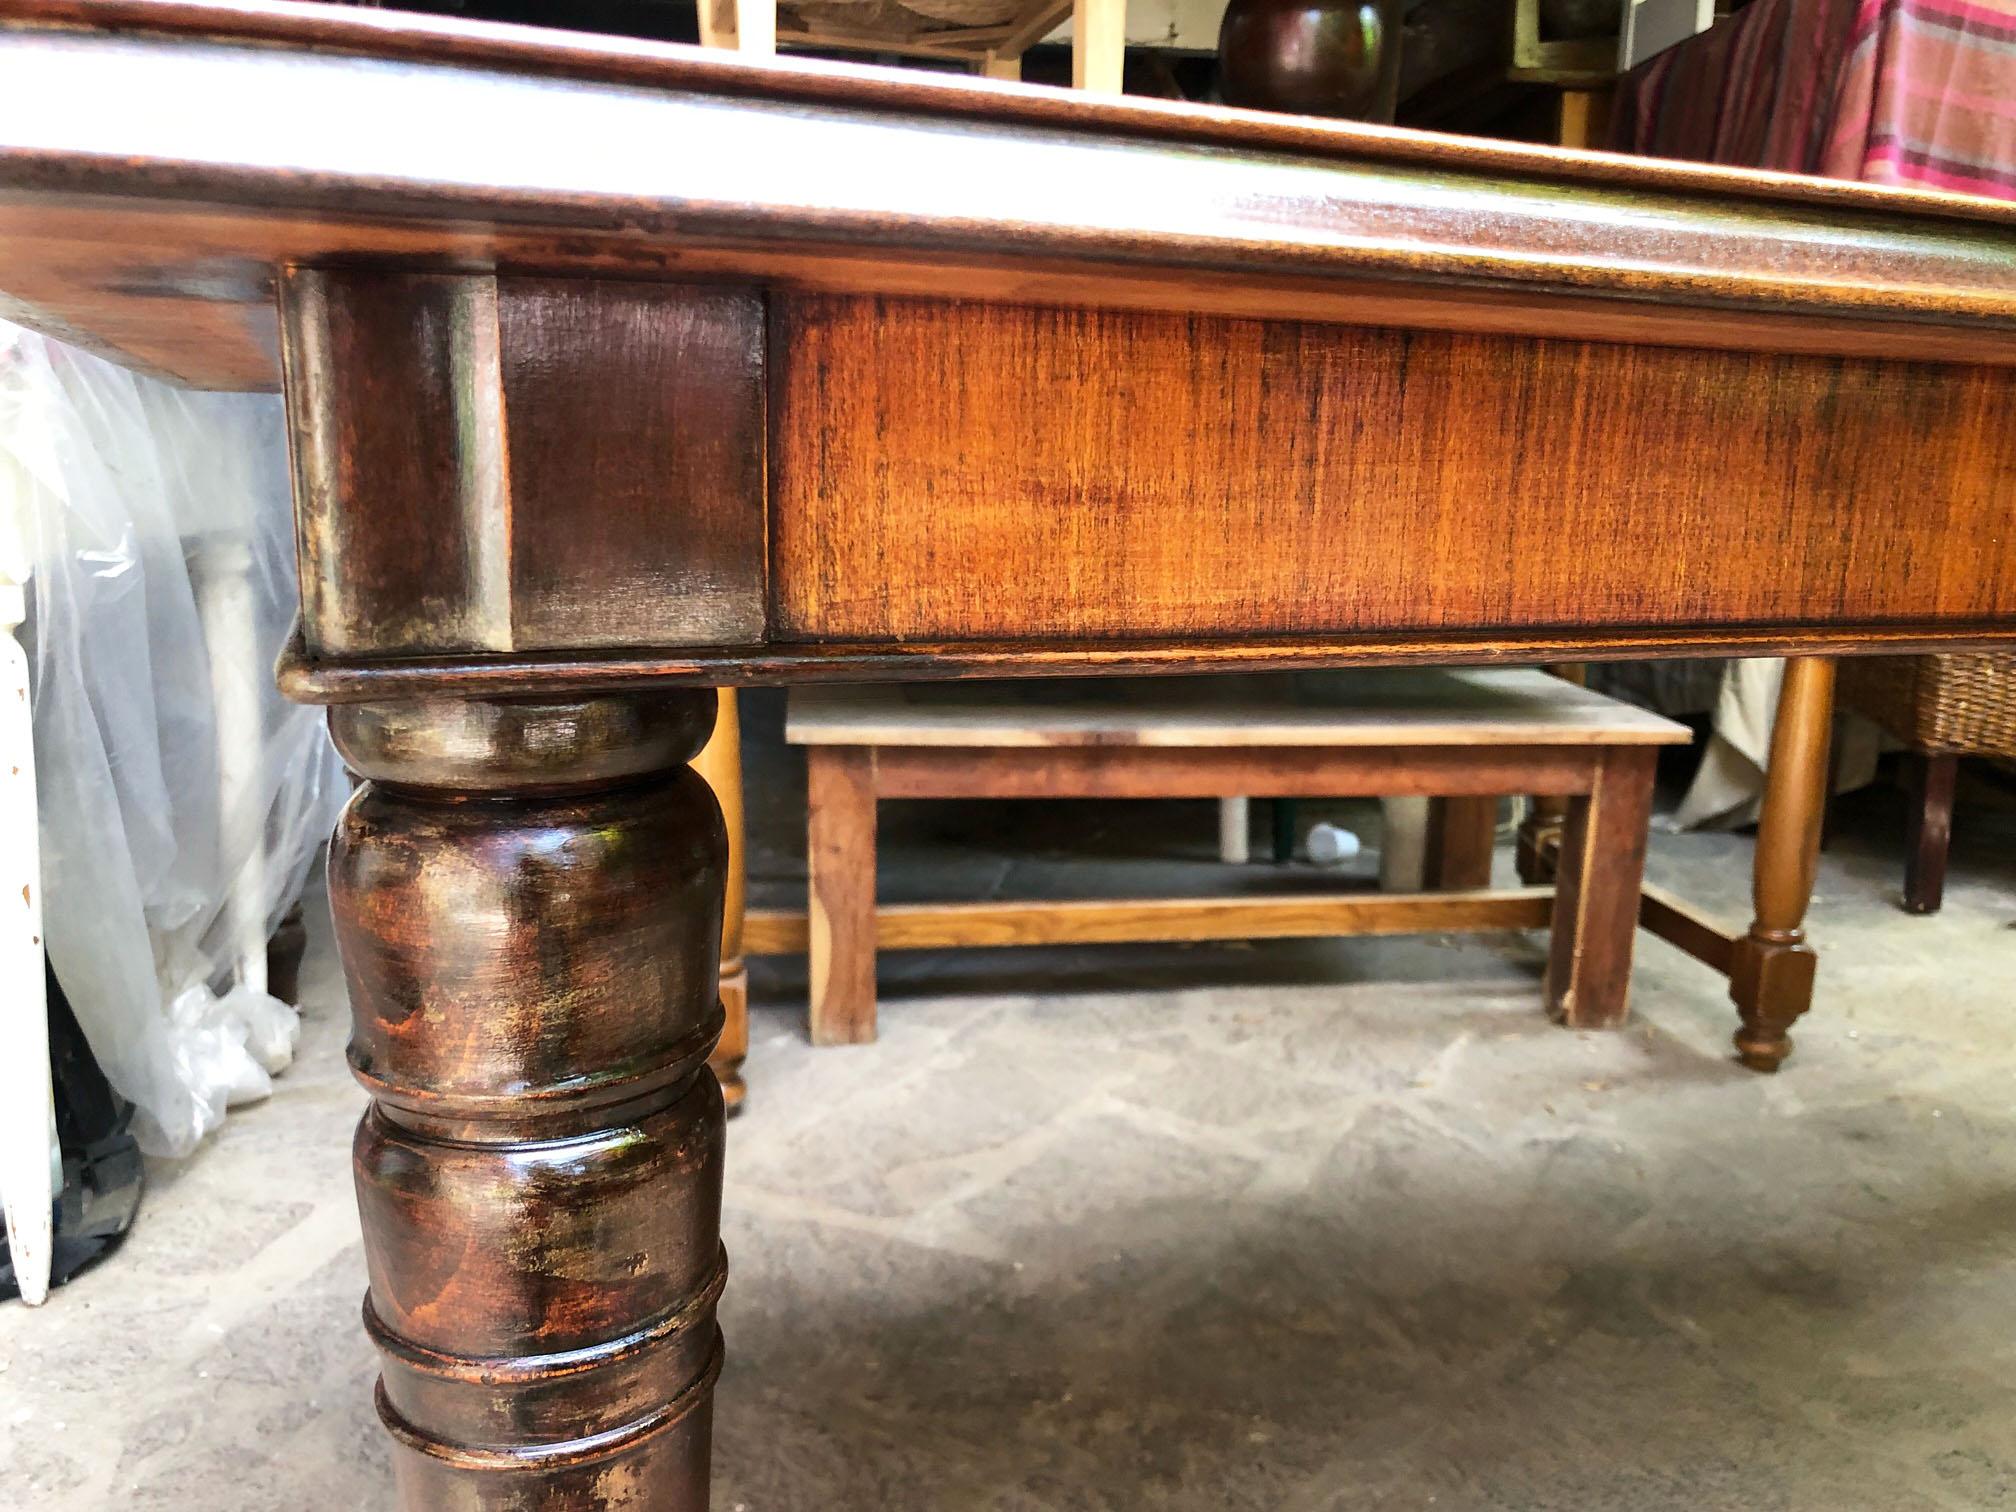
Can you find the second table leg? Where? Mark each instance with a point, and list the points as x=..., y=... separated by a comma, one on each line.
x=1599, y=875
x=720, y=762
x=1771, y=979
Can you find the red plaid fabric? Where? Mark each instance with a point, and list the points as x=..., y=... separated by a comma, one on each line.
x=1918, y=92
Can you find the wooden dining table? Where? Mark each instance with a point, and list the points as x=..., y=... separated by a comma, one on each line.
x=618, y=372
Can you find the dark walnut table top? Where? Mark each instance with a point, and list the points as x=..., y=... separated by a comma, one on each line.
x=795, y=370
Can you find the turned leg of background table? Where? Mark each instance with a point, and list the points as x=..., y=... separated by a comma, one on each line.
x=1930, y=778
x=1539, y=839
x=840, y=864
x=1462, y=833
x=1598, y=875
x=721, y=764
x=532, y=977
x=1235, y=819
x=1771, y=978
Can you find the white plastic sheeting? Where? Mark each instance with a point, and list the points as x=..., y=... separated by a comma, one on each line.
x=162, y=588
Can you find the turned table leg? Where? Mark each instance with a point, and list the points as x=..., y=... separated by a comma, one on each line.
x=1771, y=977
x=720, y=762
x=527, y=897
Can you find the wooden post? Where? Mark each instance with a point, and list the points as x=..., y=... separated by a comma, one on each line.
x=1598, y=876
x=1771, y=976
x=1098, y=45
x=1001, y=66
x=720, y=762
x=840, y=864
x=717, y=23
x=756, y=27
x=533, y=983
x=1584, y=118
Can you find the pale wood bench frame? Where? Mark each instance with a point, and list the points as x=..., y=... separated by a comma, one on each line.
x=1593, y=907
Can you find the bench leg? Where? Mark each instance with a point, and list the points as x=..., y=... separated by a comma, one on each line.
x=1598, y=875
x=840, y=860
x=1461, y=835
x=1771, y=979
x=1930, y=777
x=717, y=23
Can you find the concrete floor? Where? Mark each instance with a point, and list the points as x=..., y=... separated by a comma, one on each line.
x=1297, y=1227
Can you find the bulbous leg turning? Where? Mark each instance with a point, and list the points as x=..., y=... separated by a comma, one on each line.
x=528, y=901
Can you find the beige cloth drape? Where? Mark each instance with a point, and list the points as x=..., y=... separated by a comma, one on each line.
x=1728, y=790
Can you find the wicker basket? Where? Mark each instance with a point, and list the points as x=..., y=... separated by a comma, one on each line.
x=1965, y=704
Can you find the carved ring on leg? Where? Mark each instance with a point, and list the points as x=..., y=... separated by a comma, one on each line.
x=528, y=902
x=1771, y=978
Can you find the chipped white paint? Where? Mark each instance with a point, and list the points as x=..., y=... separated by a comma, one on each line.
x=29, y=1160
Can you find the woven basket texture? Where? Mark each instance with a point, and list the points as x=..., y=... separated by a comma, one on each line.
x=1964, y=703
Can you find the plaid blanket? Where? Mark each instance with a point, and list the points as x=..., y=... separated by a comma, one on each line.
x=1892, y=91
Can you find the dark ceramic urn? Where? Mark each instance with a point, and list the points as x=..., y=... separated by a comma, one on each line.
x=1312, y=57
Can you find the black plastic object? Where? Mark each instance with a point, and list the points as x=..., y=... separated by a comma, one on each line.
x=102, y=1170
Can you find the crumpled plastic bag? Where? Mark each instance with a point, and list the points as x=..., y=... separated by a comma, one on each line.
x=156, y=519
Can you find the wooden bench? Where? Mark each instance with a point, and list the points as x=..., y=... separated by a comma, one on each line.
x=1457, y=736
